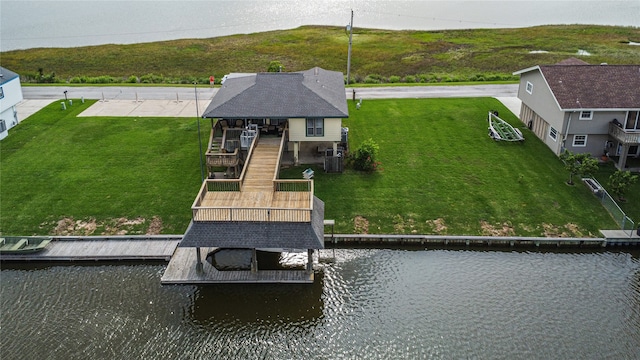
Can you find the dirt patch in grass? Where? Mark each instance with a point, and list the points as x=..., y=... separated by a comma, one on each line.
x=361, y=225
x=68, y=226
x=155, y=227
x=567, y=230
x=401, y=226
x=505, y=229
x=437, y=226
x=119, y=226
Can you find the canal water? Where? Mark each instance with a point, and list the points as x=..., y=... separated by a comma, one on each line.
x=365, y=303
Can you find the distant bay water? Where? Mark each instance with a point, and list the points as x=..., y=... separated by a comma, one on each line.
x=32, y=24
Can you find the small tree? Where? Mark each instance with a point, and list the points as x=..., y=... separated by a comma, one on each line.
x=620, y=181
x=364, y=158
x=275, y=66
x=579, y=164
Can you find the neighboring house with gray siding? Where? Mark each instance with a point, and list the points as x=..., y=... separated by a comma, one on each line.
x=10, y=96
x=583, y=108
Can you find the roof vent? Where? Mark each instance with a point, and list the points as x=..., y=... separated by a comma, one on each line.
x=315, y=71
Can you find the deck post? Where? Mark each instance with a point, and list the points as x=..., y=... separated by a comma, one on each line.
x=309, y=260
x=623, y=157
x=198, y=260
x=254, y=260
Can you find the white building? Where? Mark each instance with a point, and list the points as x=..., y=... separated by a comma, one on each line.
x=10, y=96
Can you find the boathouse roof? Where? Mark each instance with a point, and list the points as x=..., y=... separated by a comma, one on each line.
x=259, y=234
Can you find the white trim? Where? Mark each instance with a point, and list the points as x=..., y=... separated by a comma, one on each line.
x=318, y=127
x=554, y=132
x=583, y=138
x=585, y=117
x=526, y=70
x=529, y=87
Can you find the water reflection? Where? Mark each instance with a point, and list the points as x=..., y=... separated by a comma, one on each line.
x=274, y=304
x=365, y=303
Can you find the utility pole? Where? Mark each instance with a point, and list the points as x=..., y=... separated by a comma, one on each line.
x=350, y=29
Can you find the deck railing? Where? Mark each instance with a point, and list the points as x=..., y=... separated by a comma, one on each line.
x=625, y=136
x=223, y=159
x=212, y=213
x=229, y=213
x=302, y=185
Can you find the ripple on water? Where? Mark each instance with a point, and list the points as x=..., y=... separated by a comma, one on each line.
x=369, y=303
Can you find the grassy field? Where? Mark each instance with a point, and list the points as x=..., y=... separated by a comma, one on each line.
x=441, y=174
x=377, y=56
x=63, y=174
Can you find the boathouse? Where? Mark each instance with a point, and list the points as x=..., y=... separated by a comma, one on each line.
x=257, y=120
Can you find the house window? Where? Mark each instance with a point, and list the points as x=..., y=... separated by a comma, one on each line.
x=3, y=126
x=315, y=127
x=529, y=87
x=553, y=133
x=586, y=115
x=579, y=140
x=1, y=93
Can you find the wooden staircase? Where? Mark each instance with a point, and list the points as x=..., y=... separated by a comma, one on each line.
x=262, y=166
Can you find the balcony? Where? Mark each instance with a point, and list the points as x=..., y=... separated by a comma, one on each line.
x=625, y=136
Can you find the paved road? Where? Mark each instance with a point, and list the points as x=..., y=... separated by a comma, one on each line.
x=179, y=101
x=188, y=93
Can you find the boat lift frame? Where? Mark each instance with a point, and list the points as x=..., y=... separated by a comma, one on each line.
x=500, y=130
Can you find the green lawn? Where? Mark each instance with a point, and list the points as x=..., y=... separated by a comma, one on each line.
x=101, y=174
x=441, y=174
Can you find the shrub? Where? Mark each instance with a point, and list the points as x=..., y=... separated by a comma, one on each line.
x=373, y=79
x=620, y=182
x=579, y=164
x=394, y=79
x=424, y=78
x=132, y=79
x=275, y=66
x=410, y=79
x=364, y=158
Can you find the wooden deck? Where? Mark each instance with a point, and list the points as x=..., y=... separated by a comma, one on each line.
x=257, y=198
x=101, y=250
x=182, y=270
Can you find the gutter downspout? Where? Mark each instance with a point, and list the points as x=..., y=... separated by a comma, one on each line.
x=564, y=139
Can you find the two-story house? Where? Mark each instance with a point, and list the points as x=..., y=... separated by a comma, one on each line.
x=583, y=108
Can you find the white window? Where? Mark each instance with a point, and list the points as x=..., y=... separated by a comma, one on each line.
x=553, y=133
x=529, y=87
x=586, y=115
x=315, y=127
x=579, y=140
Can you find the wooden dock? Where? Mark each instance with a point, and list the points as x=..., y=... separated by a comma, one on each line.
x=103, y=249
x=182, y=270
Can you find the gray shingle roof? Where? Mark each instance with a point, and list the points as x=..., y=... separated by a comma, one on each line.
x=312, y=93
x=594, y=86
x=259, y=234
